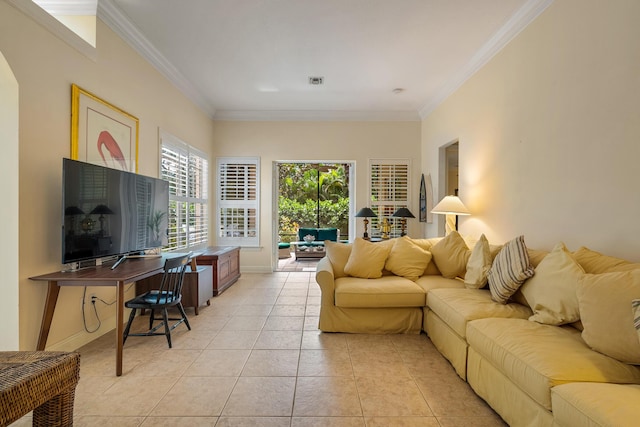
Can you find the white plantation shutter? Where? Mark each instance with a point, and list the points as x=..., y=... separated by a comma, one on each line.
x=238, y=201
x=187, y=171
x=389, y=190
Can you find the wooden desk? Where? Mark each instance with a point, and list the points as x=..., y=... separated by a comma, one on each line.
x=129, y=271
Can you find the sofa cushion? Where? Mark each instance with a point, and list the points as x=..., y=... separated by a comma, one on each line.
x=338, y=254
x=478, y=265
x=509, y=270
x=387, y=291
x=428, y=282
x=451, y=255
x=407, y=259
x=551, y=292
x=606, y=314
x=366, y=259
x=596, y=404
x=456, y=307
x=635, y=306
x=537, y=357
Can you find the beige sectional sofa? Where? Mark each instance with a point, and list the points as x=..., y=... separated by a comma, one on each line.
x=532, y=358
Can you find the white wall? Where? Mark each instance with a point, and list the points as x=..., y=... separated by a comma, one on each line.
x=330, y=141
x=549, y=132
x=9, y=207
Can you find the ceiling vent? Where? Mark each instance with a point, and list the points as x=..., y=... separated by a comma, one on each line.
x=316, y=81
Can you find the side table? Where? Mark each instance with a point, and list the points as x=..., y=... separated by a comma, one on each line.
x=39, y=381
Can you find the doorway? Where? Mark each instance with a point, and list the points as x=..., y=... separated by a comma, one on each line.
x=448, y=177
x=310, y=194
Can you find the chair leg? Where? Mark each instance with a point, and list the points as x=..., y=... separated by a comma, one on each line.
x=167, y=331
x=151, y=318
x=184, y=316
x=128, y=327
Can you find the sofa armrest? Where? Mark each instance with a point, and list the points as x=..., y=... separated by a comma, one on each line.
x=325, y=279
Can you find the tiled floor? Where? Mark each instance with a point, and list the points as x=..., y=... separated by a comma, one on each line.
x=292, y=264
x=256, y=358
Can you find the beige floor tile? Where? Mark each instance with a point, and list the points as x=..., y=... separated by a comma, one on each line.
x=253, y=422
x=298, y=291
x=367, y=342
x=196, y=396
x=411, y=342
x=326, y=397
x=208, y=322
x=449, y=396
x=129, y=396
x=311, y=323
x=378, y=363
x=401, y=422
x=254, y=310
x=278, y=340
x=107, y=421
x=245, y=323
x=272, y=363
x=492, y=421
x=324, y=363
x=389, y=396
x=284, y=323
x=234, y=340
x=323, y=341
x=312, y=309
x=179, y=422
x=218, y=363
x=166, y=364
x=288, y=310
x=327, y=422
x=261, y=397
x=426, y=364
x=284, y=300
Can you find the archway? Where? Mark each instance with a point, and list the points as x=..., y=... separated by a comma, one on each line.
x=9, y=333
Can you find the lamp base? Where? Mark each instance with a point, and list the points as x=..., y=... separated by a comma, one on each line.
x=450, y=224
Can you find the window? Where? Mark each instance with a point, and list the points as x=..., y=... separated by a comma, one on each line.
x=388, y=191
x=239, y=201
x=187, y=171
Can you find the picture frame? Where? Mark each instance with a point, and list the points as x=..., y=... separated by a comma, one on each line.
x=102, y=133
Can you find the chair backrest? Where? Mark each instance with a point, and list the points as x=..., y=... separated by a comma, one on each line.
x=172, y=279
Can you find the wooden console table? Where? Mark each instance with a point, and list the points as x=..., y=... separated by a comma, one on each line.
x=225, y=261
x=129, y=271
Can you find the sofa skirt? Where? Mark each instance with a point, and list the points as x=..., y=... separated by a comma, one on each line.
x=509, y=401
x=370, y=320
x=448, y=343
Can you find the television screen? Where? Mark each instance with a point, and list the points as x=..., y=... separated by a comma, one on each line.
x=110, y=212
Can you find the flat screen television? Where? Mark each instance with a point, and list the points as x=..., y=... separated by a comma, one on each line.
x=108, y=212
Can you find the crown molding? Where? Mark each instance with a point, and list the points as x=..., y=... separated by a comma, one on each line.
x=111, y=15
x=316, y=116
x=518, y=22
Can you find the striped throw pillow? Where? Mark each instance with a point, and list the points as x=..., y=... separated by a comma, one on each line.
x=509, y=271
x=635, y=304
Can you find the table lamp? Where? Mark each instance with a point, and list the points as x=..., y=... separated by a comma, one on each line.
x=403, y=214
x=451, y=206
x=101, y=210
x=365, y=213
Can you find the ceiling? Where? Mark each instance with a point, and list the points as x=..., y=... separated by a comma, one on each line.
x=252, y=59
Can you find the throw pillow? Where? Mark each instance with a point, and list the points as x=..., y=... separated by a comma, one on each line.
x=509, y=270
x=478, y=265
x=635, y=307
x=338, y=254
x=407, y=259
x=551, y=292
x=451, y=255
x=604, y=301
x=366, y=259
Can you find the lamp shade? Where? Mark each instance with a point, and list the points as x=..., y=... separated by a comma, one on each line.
x=365, y=213
x=451, y=205
x=101, y=210
x=73, y=210
x=403, y=213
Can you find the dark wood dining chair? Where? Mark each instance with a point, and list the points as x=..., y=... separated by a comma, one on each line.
x=168, y=295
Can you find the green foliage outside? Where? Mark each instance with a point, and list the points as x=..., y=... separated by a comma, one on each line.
x=300, y=190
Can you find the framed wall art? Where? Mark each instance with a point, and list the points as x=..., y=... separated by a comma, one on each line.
x=102, y=133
